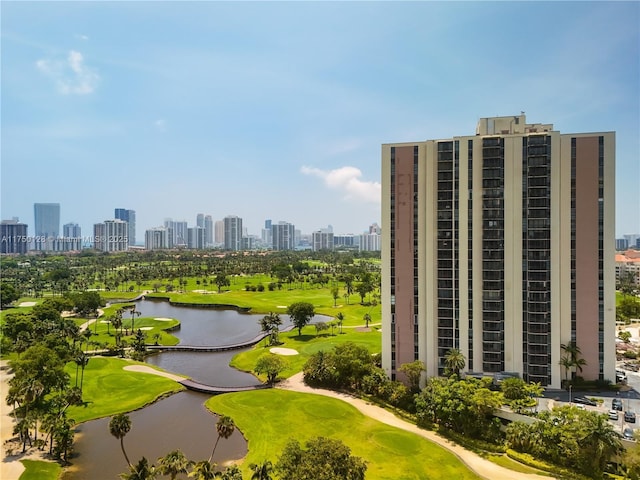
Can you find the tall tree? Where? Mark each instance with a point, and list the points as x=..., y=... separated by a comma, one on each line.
x=301, y=314
x=173, y=464
x=225, y=428
x=140, y=471
x=203, y=470
x=119, y=426
x=413, y=372
x=262, y=470
x=454, y=361
x=340, y=319
x=270, y=365
x=323, y=459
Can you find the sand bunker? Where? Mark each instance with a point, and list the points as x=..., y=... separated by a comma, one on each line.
x=283, y=351
x=27, y=304
x=145, y=328
x=162, y=319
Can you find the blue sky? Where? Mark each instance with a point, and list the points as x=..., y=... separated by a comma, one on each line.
x=277, y=111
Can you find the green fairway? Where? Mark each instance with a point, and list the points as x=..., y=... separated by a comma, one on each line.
x=269, y=418
x=107, y=389
x=37, y=470
x=103, y=332
x=307, y=344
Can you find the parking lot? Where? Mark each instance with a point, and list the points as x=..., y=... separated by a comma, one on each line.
x=629, y=397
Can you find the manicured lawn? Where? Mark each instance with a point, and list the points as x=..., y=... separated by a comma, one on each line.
x=278, y=299
x=37, y=470
x=306, y=345
x=105, y=333
x=108, y=389
x=511, y=464
x=269, y=418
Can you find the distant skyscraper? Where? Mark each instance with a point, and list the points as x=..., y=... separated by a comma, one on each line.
x=111, y=236
x=195, y=237
x=71, y=238
x=13, y=237
x=232, y=233
x=208, y=231
x=500, y=244
x=128, y=216
x=266, y=233
x=218, y=232
x=200, y=220
x=46, y=224
x=156, y=238
x=322, y=240
x=283, y=236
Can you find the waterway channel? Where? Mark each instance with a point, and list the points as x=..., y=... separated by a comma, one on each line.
x=180, y=421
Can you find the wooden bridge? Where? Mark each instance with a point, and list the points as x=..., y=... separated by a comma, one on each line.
x=214, y=348
x=214, y=390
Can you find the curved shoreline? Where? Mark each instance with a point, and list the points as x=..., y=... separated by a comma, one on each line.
x=480, y=466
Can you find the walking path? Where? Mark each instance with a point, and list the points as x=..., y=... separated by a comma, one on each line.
x=479, y=465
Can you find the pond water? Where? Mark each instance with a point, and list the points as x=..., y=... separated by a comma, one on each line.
x=206, y=326
x=177, y=422
x=180, y=421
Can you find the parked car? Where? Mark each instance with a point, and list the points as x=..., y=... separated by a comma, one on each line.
x=585, y=401
x=630, y=417
x=616, y=404
x=627, y=433
x=613, y=415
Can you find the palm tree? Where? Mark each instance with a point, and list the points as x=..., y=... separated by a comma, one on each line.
x=567, y=364
x=141, y=471
x=203, y=470
x=134, y=313
x=261, y=471
x=119, y=426
x=173, y=463
x=232, y=472
x=225, y=428
x=81, y=360
x=340, y=318
x=601, y=441
x=454, y=361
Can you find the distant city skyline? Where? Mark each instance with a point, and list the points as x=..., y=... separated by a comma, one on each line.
x=270, y=110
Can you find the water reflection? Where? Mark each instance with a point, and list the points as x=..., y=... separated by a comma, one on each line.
x=177, y=422
x=210, y=368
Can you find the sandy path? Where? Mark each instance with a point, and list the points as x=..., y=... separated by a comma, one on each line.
x=153, y=371
x=479, y=465
x=10, y=467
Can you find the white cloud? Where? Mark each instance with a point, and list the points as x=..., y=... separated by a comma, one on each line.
x=347, y=179
x=71, y=76
x=80, y=36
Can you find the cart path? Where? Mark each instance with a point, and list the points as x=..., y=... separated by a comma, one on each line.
x=482, y=467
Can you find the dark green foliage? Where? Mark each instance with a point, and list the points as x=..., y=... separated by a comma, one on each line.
x=464, y=406
x=323, y=459
x=8, y=294
x=301, y=314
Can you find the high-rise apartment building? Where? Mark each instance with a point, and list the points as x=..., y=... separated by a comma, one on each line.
x=499, y=244
x=158, y=238
x=111, y=236
x=208, y=231
x=195, y=237
x=46, y=224
x=232, y=233
x=13, y=237
x=283, y=236
x=71, y=238
x=128, y=216
x=218, y=229
x=322, y=240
